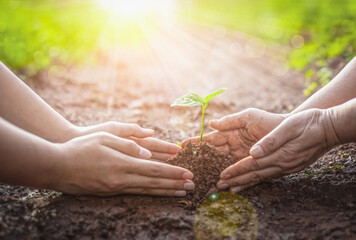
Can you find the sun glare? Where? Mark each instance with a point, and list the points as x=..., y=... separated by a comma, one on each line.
x=137, y=8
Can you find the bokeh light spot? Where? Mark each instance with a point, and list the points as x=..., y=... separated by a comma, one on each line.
x=297, y=41
x=255, y=48
x=58, y=75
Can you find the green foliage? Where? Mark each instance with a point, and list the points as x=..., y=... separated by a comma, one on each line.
x=188, y=100
x=326, y=27
x=33, y=34
x=193, y=100
x=212, y=95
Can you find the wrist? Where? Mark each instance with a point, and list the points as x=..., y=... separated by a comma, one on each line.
x=328, y=122
x=343, y=119
x=53, y=172
x=72, y=131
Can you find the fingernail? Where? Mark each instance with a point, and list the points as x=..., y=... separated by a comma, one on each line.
x=235, y=189
x=180, y=193
x=225, y=176
x=150, y=131
x=222, y=185
x=256, y=151
x=187, y=175
x=145, y=153
x=212, y=121
x=189, y=186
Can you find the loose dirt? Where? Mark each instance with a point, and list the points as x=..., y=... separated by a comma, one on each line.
x=206, y=163
x=134, y=85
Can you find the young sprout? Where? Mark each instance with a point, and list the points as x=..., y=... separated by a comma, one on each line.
x=193, y=100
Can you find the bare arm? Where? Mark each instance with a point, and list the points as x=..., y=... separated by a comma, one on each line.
x=293, y=145
x=341, y=89
x=236, y=133
x=26, y=159
x=98, y=164
x=24, y=108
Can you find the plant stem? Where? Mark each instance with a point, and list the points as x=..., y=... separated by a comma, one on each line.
x=202, y=121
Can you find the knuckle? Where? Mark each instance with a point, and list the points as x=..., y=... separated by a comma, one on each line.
x=270, y=142
x=114, y=184
x=250, y=111
x=178, y=184
x=112, y=128
x=255, y=165
x=285, y=165
x=156, y=170
x=154, y=182
x=256, y=177
x=131, y=144
x=103, y=136
x=135, y=126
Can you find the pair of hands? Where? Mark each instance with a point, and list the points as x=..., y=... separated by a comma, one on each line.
x=112, y=158
x=269, y=145
x=109, y=159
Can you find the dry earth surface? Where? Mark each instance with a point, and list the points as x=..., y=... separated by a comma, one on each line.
x=137, y=85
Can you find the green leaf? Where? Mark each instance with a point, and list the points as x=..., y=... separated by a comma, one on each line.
x=188, y=100
x=214, y=94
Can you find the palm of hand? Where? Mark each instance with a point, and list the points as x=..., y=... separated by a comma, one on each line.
x=237, y=133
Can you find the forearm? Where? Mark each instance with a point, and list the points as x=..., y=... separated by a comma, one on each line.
x=343, y=118
x=341, y=89
x=24, y=108
x=26, y=159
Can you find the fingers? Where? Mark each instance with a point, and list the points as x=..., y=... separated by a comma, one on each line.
x=155, y=192
x=161, y=156
x=157, y=145
x=214, y=138
x=129, y=129
x=192, y=140
x=274, y=140
x=244, y=166
x=128, y=147
x=136, y=181
x=159, y=170
x=241, y=188
x=224, y=148
x=229, y=122
x=253, y=177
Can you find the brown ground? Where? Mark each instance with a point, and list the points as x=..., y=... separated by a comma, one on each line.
x=137, y=85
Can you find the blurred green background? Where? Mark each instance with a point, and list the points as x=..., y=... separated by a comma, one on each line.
x=34, y=34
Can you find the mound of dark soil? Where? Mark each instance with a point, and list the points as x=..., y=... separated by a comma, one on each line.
x=206, y=163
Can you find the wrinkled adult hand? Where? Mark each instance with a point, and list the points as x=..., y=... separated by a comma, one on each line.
x=292, y=146
x=161, y=150
x=104, y=164
x=237, y=133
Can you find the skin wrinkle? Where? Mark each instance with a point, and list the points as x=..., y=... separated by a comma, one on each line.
x=333, y=127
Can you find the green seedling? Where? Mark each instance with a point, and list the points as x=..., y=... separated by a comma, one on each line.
x=193, y=100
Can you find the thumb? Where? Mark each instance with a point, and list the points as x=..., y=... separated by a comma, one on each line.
x=281, y=135
x=229, y=122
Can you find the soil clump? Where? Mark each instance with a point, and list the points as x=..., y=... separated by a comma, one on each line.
x=206, y=163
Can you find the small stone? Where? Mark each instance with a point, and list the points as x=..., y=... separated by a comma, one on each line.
x=350, y=205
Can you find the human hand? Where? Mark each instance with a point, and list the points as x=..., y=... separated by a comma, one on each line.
x=161, y=150
x=237, y=133
x=103, y=164
x=292, y=146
